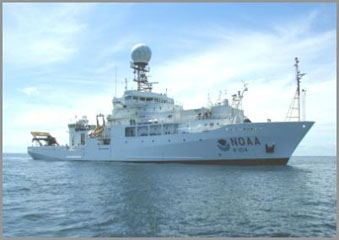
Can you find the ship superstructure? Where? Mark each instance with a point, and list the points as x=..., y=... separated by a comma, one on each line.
x=149, y=127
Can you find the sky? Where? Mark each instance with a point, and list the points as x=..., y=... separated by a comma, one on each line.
x=60, y=61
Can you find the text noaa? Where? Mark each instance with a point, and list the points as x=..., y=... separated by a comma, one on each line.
x=225, y=145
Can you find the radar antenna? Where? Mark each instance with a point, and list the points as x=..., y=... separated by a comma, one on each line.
x=295, y=104
x=141, y=54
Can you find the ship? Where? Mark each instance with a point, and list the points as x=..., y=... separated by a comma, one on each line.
x=149, y=127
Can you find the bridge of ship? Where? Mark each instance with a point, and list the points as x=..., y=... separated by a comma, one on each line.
x=142, y=97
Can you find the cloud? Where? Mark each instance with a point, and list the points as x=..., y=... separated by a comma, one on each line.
x=120, y=45
x=41, y=34
x=39, y=116
x=262, y=59
x=292, y=29
x=29, y=91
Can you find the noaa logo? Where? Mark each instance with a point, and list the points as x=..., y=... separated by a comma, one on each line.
x=238, y=144
x=223, y=145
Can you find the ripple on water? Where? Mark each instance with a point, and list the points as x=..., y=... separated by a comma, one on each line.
x=89, y=199
x=33, y=216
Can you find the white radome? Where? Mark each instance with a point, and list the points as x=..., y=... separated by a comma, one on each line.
x=141, y=53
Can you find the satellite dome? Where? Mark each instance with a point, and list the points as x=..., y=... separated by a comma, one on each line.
x=141, y=53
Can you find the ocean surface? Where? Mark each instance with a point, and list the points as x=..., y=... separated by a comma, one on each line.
x=107, y=199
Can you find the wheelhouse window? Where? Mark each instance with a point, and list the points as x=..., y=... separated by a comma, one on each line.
x=170, y=129
x=155, y=130
x=142, y=99
x=142, y=131
x=149, y=99
x=135, y=98
x=130, y=132
x=128, y=97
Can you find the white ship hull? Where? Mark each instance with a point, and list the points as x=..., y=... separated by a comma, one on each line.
x=245, y=143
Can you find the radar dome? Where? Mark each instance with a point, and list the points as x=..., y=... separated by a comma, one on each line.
x=141, y=53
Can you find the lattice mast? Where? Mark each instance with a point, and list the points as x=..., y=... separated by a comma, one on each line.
x=295, y=104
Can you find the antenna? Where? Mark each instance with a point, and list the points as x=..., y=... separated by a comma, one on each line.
x=219, y=98
x=298, y=78
x=141, y=55
x=237, y=98
x=126, y=84
x=241, y=95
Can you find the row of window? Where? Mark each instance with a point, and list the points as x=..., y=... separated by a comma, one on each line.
x=244, y=129
x=158, y=129
x=149, y=99
x=212, y=124
x=166, y=129
x=169, y=140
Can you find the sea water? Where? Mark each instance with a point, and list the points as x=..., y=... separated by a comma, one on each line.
x=107, y=199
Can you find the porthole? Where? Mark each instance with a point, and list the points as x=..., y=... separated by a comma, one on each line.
x=200, y=140
x=152, y=141
x=184, y=140
x=304, y=125
x=169, y=140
